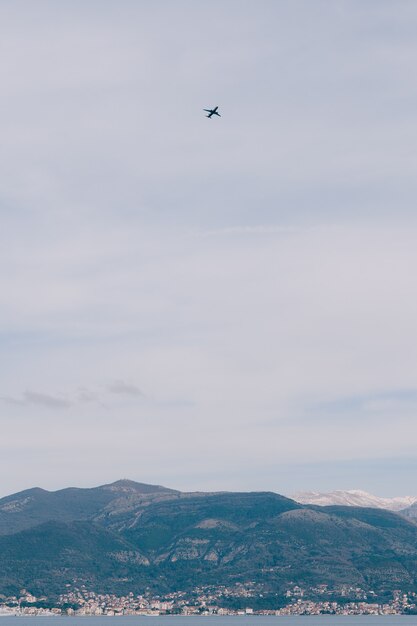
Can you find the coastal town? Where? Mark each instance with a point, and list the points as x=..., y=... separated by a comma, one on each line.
x=210, y=601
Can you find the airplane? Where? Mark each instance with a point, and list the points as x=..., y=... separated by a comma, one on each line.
x=212, y=112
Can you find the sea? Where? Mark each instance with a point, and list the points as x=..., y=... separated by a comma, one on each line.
x=227, y=620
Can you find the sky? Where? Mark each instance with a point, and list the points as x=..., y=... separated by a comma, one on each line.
x=208, y=304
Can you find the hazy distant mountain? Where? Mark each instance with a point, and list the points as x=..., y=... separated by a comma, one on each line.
x=128, y=536
x=354, y=497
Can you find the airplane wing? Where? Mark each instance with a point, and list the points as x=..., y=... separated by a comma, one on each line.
x=208, y=110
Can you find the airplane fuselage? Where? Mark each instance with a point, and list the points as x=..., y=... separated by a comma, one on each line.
x=212, y=112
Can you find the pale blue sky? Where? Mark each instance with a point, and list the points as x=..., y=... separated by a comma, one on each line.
x=208, y=304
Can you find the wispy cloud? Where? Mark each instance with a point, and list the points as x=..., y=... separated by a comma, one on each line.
x=37, y=398
x=372, y=404
x=122, y=387
x=46, y=400
x=79, y=397
x=12, y=401
x=260, y=229
x=86, y=396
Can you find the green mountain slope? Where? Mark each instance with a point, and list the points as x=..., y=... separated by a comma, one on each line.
x=49, y=556
x=165, y=540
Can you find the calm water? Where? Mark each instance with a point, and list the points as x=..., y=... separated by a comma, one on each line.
x=241, y=620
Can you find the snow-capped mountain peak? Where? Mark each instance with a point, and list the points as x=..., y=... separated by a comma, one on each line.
x=354, y=497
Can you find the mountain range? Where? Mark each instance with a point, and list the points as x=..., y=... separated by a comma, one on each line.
x=354, y=497
x=130, y=536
